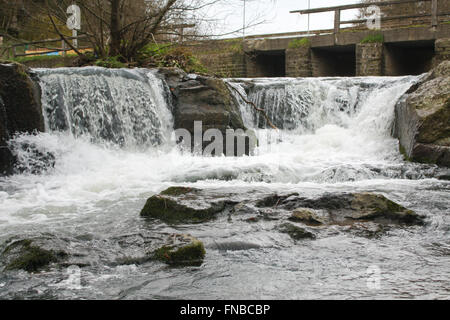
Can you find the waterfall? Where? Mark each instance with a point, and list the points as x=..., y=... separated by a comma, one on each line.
x=308, y=104
x=331, y=129
x=126, y=107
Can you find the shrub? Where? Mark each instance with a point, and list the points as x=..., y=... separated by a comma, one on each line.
x=299, y=43
x=169, y=56
x=110, y=62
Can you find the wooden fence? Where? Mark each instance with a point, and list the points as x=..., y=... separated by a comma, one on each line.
x=434, y=14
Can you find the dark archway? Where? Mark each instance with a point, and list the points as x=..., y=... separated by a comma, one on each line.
x=266, y=64
x=408, y=58
x=339, y=61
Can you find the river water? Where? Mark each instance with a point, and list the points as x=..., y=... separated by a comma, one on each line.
x=109, y=146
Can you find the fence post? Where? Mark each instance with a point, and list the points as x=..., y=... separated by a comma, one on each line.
x=63, y=45
x=14, y=51
x=337, y=20
x=434, y=13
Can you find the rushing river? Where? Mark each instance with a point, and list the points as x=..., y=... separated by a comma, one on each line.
x=109, y=146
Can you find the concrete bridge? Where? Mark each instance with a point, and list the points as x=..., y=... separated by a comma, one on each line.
x=410, y=47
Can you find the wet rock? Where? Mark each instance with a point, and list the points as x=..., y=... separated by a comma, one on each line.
x=234, y=246
x=273, y=200
x=295, y=232
x=208, y=100
x=368, y=230
x=306, y=216
x=36, y=160
x=422, y=121
x=31, y=255
x=183, y=205
x=20, y=108
x=367, y=206
x=350, y=207
x=181, y=250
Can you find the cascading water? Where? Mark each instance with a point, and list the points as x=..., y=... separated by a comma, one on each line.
x=109, y=146
x=126, y=107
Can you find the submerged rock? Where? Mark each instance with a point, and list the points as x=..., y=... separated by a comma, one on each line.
x=182, y=205
x=422, y=121
x=350, y=207
x=295, y=232
x=181, y=250
x=30, y=255
x=306, y=216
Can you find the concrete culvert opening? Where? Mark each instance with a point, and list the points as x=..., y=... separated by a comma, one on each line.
x=408, y=58
x=268, y=64
x=334, y=62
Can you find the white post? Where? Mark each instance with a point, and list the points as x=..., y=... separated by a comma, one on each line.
x=75, y=40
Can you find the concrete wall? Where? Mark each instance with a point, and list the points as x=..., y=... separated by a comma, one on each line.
x=442, y=50
x=228, y=65
x=224, y=58
x=405, y=51
x=298, y=62
x=369, y=59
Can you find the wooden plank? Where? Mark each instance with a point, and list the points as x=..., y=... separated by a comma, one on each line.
x=395, y=17
x=45, y=41
x=289, y=34
x=51, y=50
x=356, y=6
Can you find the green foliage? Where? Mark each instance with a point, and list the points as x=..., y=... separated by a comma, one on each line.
x=299, y=43
x=170, y=56
x=373, y=38
x=110, y=62
x=40, y=58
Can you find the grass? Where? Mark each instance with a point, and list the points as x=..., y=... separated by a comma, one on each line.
x=299, y=43
x=40, y=58
x=111, y=62
x=373, y=38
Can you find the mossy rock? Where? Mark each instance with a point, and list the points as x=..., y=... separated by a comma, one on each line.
x=184, y=251
x=24, y=255
x=295, y=232
x=306, y=216
x=181, y=205
x=369, y=207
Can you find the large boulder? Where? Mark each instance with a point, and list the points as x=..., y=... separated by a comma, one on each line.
x=343, y=209
x=422, y=122
x=199, y=98
x=20, y=108
x=183, y=205
x=32, y=255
